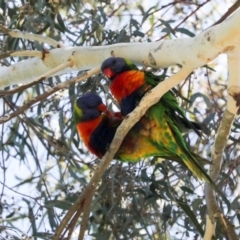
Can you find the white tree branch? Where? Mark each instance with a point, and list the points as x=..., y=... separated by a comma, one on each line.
x=24, y=53
x=220, y=143
x=233, y=102
x=191, y=52
x=210, y=229
x=30, y=36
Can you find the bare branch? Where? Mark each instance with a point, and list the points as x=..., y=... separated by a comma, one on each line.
x=221, y=141
x=24, y=53
x=73, y=223
x=30, y=36
x=184, y=20
x=232, y=9
x=87, y=208
x=203, y=48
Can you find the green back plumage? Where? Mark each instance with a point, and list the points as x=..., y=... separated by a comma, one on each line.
x=130, y=64
x=169, y=101
x=159, y=129
x=166, y=112
x=170, y=141
x=169, y=134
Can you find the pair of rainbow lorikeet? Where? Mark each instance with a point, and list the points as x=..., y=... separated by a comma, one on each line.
x=158, y=132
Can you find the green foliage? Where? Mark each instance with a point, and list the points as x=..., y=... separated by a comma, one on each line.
x=44, y=165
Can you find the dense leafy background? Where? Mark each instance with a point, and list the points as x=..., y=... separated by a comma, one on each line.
x=44, y=165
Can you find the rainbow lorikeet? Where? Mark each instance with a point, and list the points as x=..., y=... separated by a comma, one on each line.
x=128, y=86
x=97, y=126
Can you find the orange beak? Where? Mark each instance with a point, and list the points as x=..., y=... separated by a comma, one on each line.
x=102, y=107
x=108, y=72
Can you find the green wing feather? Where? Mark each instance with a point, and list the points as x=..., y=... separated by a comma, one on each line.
x=170, y=102
x=164, y=132
x=170, y=136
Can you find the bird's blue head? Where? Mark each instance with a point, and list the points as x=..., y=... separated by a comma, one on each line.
x=113, y=66
x=88, y=107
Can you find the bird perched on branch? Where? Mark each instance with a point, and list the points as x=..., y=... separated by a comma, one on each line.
x=97, y=126
x=129, y=85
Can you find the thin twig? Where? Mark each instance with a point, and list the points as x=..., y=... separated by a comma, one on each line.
x=22, y=194
x=233, y=8
x=24, y=53
x=27, y=122
x=228, y=227
x=73, y=223
x=87, y=208
x=199, y=6
x=30, y=36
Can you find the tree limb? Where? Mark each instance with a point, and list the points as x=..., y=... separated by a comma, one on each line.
x=220, y=144
x=30, y=36
x=203, y=48
x=233, y=8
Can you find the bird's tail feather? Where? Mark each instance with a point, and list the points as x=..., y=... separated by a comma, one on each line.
x=200, y=173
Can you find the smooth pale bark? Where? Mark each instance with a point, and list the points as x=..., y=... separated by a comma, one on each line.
x=219, y=146
x=190, y=52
